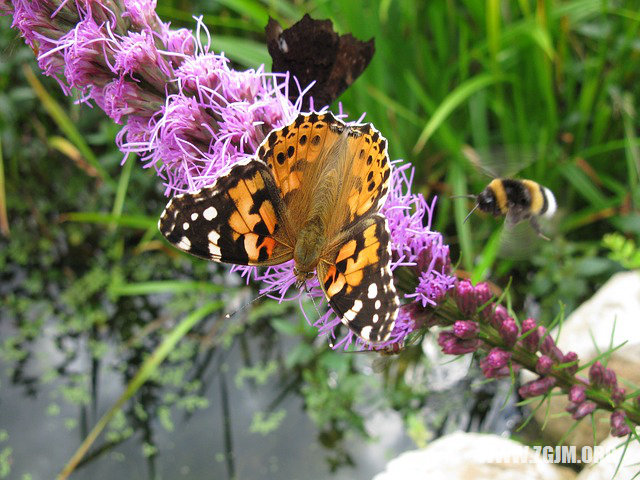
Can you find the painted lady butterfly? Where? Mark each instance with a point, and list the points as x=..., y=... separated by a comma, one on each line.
x=311, y=194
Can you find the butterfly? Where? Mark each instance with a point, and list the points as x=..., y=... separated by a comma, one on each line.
x=312, y=193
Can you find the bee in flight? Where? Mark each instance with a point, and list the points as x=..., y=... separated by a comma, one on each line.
x=517, y=200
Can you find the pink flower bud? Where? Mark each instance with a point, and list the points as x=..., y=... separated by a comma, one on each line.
x=618, y=395
x=495, y=364
x=577, y=393
x=453, y=345
x=609, y=379
x=544, y=365
x=498, y=315
x=483, y=293
x=531, y=340
x=619, y=427
x=569, y=358
x=537, y=387
x=509, y=331
x=596, y=374
x=584, y=409
x=466, y=298
x=465, y=329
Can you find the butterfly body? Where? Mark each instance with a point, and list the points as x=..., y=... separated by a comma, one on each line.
x=311, y=194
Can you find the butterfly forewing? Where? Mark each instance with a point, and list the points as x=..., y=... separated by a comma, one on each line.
x=235, y=220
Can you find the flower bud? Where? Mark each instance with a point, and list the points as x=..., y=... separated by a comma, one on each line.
x=466, y=298
x=618, y=395
x=609, y=379
x=509, y=332
x=531, y=340
x=584, y=409
x=569, y=358
x=537, y=387
x=544, y=365
x=577, y=393
x=465, y=329
x=453, y=345
x=483, y=295
x=619, y=427
x=596, y=374
x=498, y=315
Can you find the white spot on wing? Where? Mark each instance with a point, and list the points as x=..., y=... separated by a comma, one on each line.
x=357, y=306
x=185, y=226
x=375, y=318
x=366, y=332
x=377, y=304
x=184, y=243
x=214, y=249
x=372, y=291
x=210, y=213
x=194, y=216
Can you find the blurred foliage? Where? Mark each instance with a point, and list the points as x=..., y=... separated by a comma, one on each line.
x=554, y=78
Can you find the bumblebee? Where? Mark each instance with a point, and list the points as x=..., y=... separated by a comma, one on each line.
x=517, y=200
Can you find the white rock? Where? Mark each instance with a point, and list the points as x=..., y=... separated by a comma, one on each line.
x=606, y=467
x=468, y=456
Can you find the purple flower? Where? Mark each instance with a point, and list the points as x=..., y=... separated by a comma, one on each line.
x=577, y=394
x=582, y=410
x=466, y=298
x=465, y=329
x=596, y=374
x=453, y=345
x=609, y=380
x=571, y=357
x=619, y=427
x=544, y=365
x=618, y=395
x=483, y=293
x=509, y=331
x=495, y=364
x=530, y=334
x=537, y=387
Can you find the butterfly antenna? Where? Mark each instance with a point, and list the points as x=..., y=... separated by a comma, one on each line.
x=248, y=304
x=306, y=289
x=469, y=214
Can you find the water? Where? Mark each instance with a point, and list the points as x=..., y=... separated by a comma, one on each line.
x=42, y=442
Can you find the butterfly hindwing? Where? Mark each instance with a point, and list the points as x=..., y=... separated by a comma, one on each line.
x=358, y=282
x=235, y=220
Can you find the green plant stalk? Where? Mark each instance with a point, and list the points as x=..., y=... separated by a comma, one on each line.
x=4, y=218
x=146, y=370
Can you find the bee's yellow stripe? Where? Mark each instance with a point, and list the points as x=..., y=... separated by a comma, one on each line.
x=501, y=195
x=535, y=192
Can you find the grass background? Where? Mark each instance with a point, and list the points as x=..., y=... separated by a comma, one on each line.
x=549, y=85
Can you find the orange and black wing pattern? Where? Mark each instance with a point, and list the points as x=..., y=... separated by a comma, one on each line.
x=358, y=282
x=236, y=220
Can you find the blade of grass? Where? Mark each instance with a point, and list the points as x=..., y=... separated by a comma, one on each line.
x=65, y=124
x=121, y=191
x=4, y=219
x=454, y=100
x=247, y=52
x=169, y=286
x=132, y=221
x=487, y=257
x=146, y=370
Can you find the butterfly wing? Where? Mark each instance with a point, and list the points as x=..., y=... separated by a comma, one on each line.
x=236, y=220
x=358, y=283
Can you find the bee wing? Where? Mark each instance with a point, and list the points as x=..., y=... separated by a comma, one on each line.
x=518, y=240
x=500, y=160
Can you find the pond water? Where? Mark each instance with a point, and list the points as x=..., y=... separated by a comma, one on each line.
x=44, y=430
